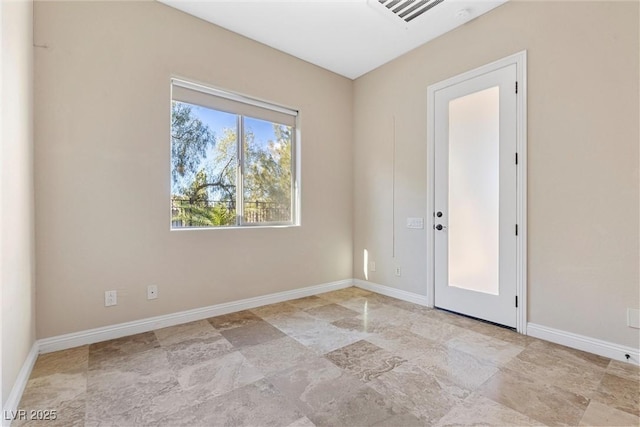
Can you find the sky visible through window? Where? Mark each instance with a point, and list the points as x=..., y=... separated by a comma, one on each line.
x=217, y=122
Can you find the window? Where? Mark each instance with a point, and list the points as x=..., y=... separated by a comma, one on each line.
x=233, y=160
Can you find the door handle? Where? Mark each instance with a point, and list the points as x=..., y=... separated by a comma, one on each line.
x=440, y=227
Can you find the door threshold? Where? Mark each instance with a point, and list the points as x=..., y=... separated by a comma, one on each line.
x=476, y=318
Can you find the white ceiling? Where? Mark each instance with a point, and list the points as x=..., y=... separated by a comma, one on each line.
x=348, y=37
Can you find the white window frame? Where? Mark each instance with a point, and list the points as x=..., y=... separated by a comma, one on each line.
x=243, y=101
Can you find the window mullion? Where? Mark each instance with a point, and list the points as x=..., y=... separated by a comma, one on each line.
x=240, y=172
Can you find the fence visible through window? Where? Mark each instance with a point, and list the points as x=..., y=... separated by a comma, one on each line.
x=215, y=213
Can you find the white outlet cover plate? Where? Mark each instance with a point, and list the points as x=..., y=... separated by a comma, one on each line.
x=110, y=298
x=633, y=318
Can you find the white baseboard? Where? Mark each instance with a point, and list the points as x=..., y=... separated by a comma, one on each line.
x=11, y=405
x=91, y=336
x=584, y=343
x=392, y=292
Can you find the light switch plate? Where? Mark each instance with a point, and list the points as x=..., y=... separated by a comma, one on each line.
x=417, y=223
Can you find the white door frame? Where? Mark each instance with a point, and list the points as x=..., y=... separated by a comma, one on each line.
x=520, y=59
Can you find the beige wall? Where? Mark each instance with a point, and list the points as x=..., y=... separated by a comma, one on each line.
x=102, y=167
x=583, y=117
x=102, y=162
x=17, y=294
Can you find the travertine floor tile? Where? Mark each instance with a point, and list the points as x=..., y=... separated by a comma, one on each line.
x=307, y=302
x=489, y=349
x=624, y=370
x=234, y=320
x=331, y=312
x=426, y=396
x=316, y=384
x=401, y=420
x=277, y=355
x=345, y=294
x=364, y=360
x=281, y=309
x=362, y=305
x=360, y=324
x=63, y=393
x=391, y=316
x=302, y=422
x=256, y=404
x=194, y=352
x=320, y=336
x=253, y=334
x=215, y=377
x=504, y=334
x=598, y=414
x=479, y=410
x=458, y=367
x=578, y=379
x=121, y=390
x=401, y=342
x=363, y=407
x=121, y=346
x=436, y=330
x=71, y=360
x=546, y=353
x=545, y=403
x=344, y=358
x=187, y=332
x=619, y=393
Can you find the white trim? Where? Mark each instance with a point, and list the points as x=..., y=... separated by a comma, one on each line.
x=520, y=59
x=75, y=339
x=20, y=384
x=521, y=211
x=391, y=292
x=431, y=191
x=584, y=343
x=232, y=96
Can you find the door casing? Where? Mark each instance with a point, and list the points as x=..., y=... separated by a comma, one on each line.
x=520, y=60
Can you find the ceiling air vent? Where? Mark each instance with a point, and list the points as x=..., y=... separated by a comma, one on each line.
x=407, y=10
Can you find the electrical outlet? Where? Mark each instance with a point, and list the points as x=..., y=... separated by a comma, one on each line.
x=397, y=271
x=110, y=298
x=152, y=292
x=372, y=266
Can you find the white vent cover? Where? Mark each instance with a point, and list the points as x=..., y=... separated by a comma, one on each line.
x=404, y=11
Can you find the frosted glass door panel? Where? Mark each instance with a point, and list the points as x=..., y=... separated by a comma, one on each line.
x=474, y=145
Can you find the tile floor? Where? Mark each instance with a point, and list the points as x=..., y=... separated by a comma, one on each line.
x=344, y=358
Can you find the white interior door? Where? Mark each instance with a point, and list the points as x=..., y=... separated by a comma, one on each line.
x=475, y=196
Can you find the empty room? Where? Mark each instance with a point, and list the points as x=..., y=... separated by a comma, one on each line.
x=320, y=213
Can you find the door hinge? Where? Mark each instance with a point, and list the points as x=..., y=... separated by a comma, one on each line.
x=516, y=229
x=516, y=87
x=516, y=301
x=516, y=158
